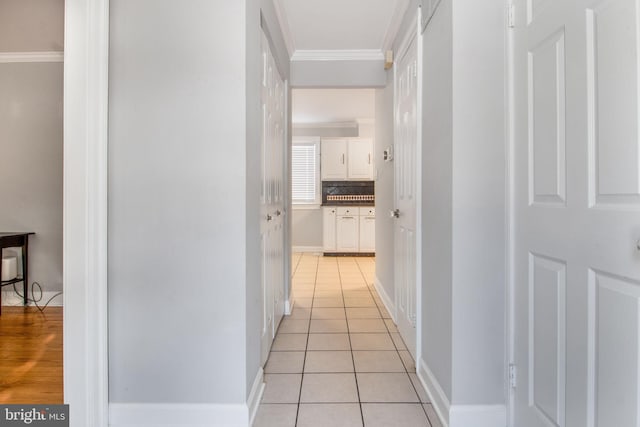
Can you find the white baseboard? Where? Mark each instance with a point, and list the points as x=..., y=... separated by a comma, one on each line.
x=253, y=401
x=307, y=249
x=478, y=416
x=459, y=415
x=11, y=299
x=388, y=302
x=288, y=306
x=436, y=395
x=189, y=415
x=177, y=415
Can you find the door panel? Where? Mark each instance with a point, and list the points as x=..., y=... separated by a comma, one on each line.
x=576, y=190
x=272, y=198
x=406, y=139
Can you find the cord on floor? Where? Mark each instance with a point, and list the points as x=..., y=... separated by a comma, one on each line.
x=33, y=298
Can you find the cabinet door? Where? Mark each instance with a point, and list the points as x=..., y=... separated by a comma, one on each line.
x=367, y=234
x=329, y=229
x=360, y=159
x=333, y=159
x=347, y=233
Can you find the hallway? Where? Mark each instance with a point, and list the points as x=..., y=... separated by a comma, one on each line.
x=338, y=360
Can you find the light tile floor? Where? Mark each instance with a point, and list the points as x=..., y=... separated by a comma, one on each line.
x=338, y=359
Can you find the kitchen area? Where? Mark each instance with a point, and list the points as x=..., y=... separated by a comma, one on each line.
x=338, y=217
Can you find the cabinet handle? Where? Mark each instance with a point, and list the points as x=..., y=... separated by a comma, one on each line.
x=343, y=159
x=369, y=158
x=348, y=217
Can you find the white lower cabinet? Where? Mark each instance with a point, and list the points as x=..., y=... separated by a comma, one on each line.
x=329, y=229
x=367, y=234
x=348, y=229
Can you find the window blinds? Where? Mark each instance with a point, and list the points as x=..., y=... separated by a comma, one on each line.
x=304, y=173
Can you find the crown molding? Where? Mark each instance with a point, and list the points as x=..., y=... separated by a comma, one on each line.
x=338, y=55
x=16, y=57
x=394, y=25
x=281, y=14
x=325, y=125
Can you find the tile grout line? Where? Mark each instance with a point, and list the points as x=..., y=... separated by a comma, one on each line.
x=304, y=359
x=353, y=360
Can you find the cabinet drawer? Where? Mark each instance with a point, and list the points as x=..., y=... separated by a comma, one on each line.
x=348, y=210
x=367, y=211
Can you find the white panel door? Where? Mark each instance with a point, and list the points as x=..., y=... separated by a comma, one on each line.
x=576, y=213
x=405, y=166
x=272, y=198
x=360, y=159
x=333, y=159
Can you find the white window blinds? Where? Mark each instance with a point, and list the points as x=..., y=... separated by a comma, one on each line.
x=305, y=173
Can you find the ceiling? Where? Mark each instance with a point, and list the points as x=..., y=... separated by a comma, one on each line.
x=332, y=105
x=325, y=26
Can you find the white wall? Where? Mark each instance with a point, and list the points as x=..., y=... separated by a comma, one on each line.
x=464, y=168
x=31, y=104
x=183, y=217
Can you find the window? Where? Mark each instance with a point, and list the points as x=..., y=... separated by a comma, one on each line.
x=305, y=171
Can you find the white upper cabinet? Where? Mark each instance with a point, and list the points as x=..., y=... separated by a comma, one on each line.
x=346, y=159
x=333, y=159
x=360, y=159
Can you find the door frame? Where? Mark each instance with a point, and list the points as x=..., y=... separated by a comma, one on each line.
x=510, y=333
x=86, y=69
x=414, y=31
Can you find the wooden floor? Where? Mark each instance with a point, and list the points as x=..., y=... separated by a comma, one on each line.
x=31, y=356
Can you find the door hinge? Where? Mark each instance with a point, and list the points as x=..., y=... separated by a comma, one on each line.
x=513, y=376
x=511, y=15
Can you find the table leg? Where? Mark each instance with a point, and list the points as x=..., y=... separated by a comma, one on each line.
x=25, y=268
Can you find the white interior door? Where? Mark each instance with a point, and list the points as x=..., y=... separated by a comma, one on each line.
x=405, y=167
x=576, y=201
x=272, y=197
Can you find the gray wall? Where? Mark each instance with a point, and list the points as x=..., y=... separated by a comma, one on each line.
x=479, y=202
x=384, y=188
x=437, y=172
x=338, y=74
x=464, y=201
x=183, y=217
x=31, y=25
x=31, y=135
x=307, y=228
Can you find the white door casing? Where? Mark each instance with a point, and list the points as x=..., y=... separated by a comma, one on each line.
x=576, y=213
x=406, y=237
x=272, y=197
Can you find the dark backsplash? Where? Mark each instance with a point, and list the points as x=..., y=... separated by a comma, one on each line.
x=339, y=188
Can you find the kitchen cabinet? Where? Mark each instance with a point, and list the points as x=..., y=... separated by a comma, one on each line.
x=329, y=229
x=360, y=159
x=348, y=229
x=333, y=159
x=346, y=159
x=367, y=232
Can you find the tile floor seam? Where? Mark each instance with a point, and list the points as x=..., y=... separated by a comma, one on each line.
x=304, y=359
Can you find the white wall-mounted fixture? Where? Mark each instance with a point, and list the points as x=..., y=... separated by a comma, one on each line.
x=387, y=154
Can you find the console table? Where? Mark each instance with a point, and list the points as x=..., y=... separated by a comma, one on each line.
x=14, y=240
